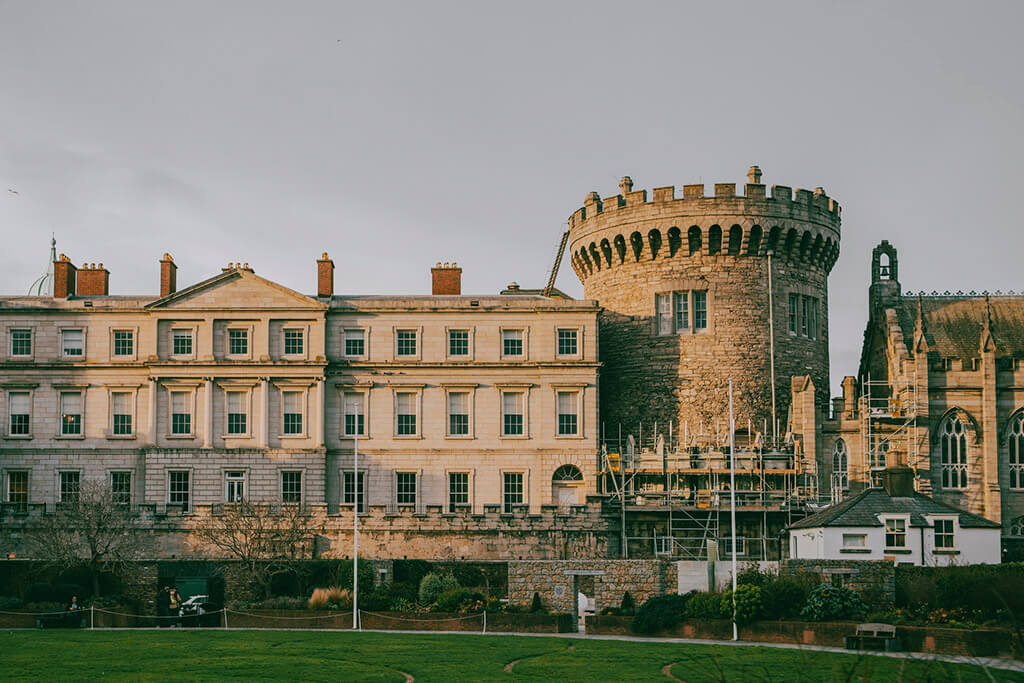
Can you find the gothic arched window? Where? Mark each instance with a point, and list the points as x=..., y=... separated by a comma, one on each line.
x=953, y=441
x=1017, y=527
x=840, y=467
x=1015, y=449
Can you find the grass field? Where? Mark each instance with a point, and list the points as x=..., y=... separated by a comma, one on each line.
x=334, y=656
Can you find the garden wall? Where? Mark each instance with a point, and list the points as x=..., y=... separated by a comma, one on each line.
x=875, y=580
x=604, y=580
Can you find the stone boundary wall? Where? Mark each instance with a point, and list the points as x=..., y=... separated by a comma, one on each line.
x=875, y=580
x=608, y=581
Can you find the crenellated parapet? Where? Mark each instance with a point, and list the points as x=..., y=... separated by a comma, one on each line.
x=801, y=226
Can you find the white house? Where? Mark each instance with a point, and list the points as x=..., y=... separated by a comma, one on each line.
x=898, y=524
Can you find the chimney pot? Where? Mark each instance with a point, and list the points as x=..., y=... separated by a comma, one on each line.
x=65, y=277
x=446, y=280
x=93, y=281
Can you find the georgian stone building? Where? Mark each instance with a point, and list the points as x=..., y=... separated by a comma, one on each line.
x=476, y=416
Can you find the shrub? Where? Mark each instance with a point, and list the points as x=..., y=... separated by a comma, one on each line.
x=403, y=605
x=411, y=571
x=318, y=600
x=748, y=603
x=39, y=592
x=281, y=602
x=706, y=606
x=536, y=606
x=63, y=592
x=343, y=575
x=10, y=602
x=339, y=598
x=661, y=612
x=828, y=602
x=457, y=599
x=628, y=606
x=433, y=585
x=753, y=576
x=782, y=598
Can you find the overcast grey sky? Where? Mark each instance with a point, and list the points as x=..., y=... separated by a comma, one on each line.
x=394, y=135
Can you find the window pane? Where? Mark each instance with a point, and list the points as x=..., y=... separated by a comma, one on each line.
x=681, y=308
x=458, y=413
x=121, y=488
x=238, y=342
x=458, y=489
x=293, y=342
x=406, y=342
x=182, y=341
x=21, y=342
x=663, y=309
x=355, y=414
x=794, y=302
x=458, y=342
x=513, y=490
x=71, y=342
x=292, y=402
x=124, y=342
x=512, y=342
x=70, y=413
x=121, y=407
x=17, y=490
x=354, y=342
x=181, y=413
x=700, y=310
x=405, y=487
x=350, y=492
x=567, y=413
x=19, y=412
x=69, y=487
x=178, y=488
x=512, y=407
x=291, y=487
x=405, y=408
x=567, y=342
x=237, y=413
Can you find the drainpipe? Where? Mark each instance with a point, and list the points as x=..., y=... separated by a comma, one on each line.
x=771, y=346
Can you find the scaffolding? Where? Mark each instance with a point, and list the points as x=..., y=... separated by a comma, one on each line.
x=889, y=433
x=678, y=486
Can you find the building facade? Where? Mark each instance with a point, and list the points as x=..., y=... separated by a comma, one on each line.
x=475, y=417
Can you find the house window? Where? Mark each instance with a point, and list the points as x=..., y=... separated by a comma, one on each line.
x=179, y=488
x=458, y=342
x=512, y=490
x=700, y=310
x=794, y=313
x=511, y=342
x=121, y=413
x=291, y=406
x=663, y=310
x=72, y=343
x=1017, y=527
x=811, y=305
x=238, y=342
x=294, y=342
x=238, y=413
x=458, y=489
x=512, y=412
x=1015, y=448
x=70, y=413
x=121, y=488
x=857, y=541
x=405, y=488
x=878, y=457
x=19, y=409
x=953, y=442
x=291, y=487
x=350, y=492
x=681, y=310
x=458, y=413
x=69, y=487
x=568, y=413
x=181, y=413
x=355, y=343
x=355, y=413
x=17, y=490
x=181, y=342
x=406, y=342
x=840, y=468
x=895, y=533
x=21, y=343
x=944, y=538
x=234, y=486
x=568, y=342
x=124, y=343
x=405, y=411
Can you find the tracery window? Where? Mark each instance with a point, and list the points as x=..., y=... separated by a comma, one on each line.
x=840, y=467
x=953, y=442
x=1015, y=449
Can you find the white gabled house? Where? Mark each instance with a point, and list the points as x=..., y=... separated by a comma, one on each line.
x=898, y=524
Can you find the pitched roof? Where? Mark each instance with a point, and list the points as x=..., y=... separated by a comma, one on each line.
x=953, y=324
x=863, y=509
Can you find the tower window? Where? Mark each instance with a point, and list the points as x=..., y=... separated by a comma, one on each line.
x=681, y=312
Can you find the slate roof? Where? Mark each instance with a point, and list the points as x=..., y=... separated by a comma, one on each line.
x=953, y=324
x=863, y=509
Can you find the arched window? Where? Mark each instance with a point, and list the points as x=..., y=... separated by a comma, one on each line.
x=1015, y=449
x=735, y=240
x=567, y=473
x=953, y=441
x=840, y=468
x=715, y=240
x=1017, y=527
x=693, y=239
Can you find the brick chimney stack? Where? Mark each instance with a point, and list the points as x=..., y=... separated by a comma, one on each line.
x=93, y=280
x=447, y=279
x=64, y=277
x=168, y=276
x=324, y=276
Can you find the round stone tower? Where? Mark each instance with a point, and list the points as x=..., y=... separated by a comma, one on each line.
x=684, y=283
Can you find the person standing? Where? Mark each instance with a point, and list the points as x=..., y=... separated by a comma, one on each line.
x=174, y=605
x=163, y=606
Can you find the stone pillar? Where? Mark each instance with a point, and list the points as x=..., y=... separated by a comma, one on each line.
x=208, y=412
x=152, y=411
x=264, y=426
x=321, y=412
x=992, y=505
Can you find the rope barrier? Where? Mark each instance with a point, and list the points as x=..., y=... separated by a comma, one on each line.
x=35, y=614
x=272, y=616
x=388, y=616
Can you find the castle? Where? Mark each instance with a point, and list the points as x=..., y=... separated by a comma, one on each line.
x=519, y=425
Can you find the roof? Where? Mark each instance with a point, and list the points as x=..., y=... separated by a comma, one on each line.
x=953, y=323
x=863, y=509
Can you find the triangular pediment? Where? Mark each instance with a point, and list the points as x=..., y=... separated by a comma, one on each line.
x=237, y=289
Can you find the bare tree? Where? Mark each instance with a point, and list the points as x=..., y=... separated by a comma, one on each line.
x=266, y=539
x=92, y=531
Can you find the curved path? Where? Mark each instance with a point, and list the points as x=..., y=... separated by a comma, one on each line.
x=667, y=670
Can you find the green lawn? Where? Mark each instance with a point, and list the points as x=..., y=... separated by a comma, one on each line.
x=342, y=656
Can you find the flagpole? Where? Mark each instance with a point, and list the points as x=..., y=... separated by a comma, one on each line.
x=732, y=495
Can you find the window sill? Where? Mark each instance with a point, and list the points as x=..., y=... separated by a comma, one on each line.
x=408, y=437
x=292, y=436
x=570, y=436
x=898, y=551
x=236, y=437
x=514, y=358
x=352, y=437
x=514, y=437
x=946, y=551
x=459, y=437
x=69, y=437
x=568, y=356
x=72, y=359
x=359, y=357
x=180, y=437
x=855, y=550
x=122, y=359
x=18, y=437
x=181, y=358
x=121, y=437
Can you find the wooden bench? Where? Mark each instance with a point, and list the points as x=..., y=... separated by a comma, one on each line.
x=879, y=637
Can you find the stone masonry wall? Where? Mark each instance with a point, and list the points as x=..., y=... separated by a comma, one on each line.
x=875, y=580
x=642, y=578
